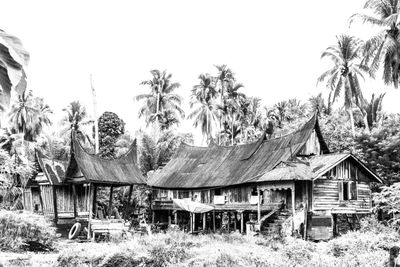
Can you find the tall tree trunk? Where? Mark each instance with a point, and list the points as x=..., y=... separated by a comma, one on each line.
x=207, y=126
x=220, y=118
x=353, y=130
x=232, y=133
x=366, y=124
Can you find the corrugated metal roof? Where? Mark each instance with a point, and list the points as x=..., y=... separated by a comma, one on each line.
x=120, y=171
x=215, y=166
x=310, y=169
x=288, y=172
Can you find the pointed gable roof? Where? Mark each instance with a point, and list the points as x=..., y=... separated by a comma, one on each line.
x=120, y=171
x=215, y=166
x=57, y=171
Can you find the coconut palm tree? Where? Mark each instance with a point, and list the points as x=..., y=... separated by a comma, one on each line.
x=251, y=120
x=23, y=115
x=224, y=77
x=374, y=110
x=383, y=49
x=345, y=72
x=234, y=101
x=75, y=117
x=160, y=98
x=203, y=97
x=42, y=117
x=317, y=104
x=13, y=59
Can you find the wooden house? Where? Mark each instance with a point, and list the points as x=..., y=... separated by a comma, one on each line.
x=262, y=184
x=66, y=190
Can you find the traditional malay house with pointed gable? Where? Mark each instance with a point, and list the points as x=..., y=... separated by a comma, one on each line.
x=260, y=185
x=68, y=189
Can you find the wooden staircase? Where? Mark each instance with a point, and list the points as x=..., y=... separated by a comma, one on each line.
x=274, y=225
x=353, y=221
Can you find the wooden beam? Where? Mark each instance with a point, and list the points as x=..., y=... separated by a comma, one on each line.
x=293, y=206
x=75, y=200
x=90, y=211
x=176, y=217
x=128, y=202
x=242, y=222
x=214, y=221
x=204, y=221
x=94, y=198
x=41, y=199
x=305, y=220
x=258, y=205
x=194, y=222
x=55, y=204
x=110, y=202
x=234, y=221
x=191, y=223
x=229, y=221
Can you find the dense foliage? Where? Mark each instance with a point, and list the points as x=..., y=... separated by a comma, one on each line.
x=25, y=231
x=111, y=127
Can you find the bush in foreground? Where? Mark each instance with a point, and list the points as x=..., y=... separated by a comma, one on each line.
x=368, y=247
x=22, y=231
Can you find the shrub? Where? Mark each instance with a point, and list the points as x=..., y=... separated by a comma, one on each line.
x=121, y=260
x=21, y=231
x=161, y=255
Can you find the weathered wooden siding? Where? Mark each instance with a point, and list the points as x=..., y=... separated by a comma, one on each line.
x=327, y=190
x=65, y=201
x=236, y=198
x=28, y=199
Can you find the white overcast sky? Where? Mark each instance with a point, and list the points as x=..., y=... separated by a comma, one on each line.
x=274, y=47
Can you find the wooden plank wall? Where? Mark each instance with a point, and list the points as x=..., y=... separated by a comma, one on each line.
x=28, y=203
x=233, y=195
x=326, y=190
x=65, y=201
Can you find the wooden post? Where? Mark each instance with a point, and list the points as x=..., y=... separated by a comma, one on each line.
x=110, y=202
x=258, y=206
x=242, y=222
x=229, y=221
x=191, y=223
x=41, y=199
x=214, y=220
x=293, y=207
x=94, y=198
x=176, y=217
x=305, y=220
x=90, y=210
x=194, y=222
x=234, y=221
x=75, y=201
x=153, y=215
x=55, y=204
x=204, y=221
x=128, y=202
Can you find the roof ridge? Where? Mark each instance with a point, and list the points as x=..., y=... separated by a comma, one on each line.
x=126, y=154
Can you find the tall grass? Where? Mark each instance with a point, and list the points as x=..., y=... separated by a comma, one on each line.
x=367, y=247
x=21, y=231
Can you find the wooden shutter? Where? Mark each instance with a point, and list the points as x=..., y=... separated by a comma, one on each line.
x=340, y=188
x=353, y=190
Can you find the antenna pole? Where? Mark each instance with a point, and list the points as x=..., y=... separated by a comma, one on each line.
x=96, y=124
